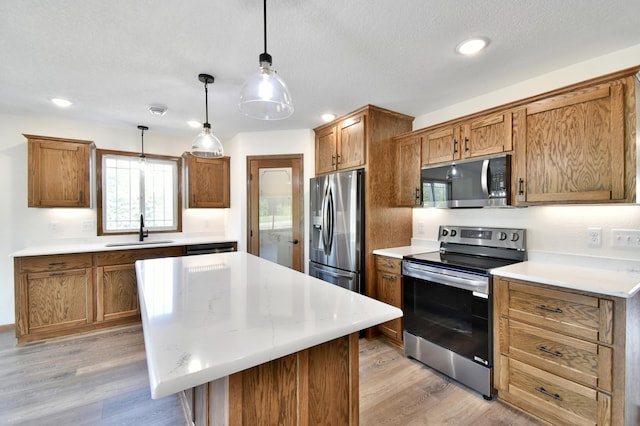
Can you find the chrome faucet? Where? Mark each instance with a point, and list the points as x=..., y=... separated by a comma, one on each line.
x=143, y=232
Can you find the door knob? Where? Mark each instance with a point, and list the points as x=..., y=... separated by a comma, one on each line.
x=294, y=241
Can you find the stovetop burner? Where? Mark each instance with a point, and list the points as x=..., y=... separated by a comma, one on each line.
x=465, y=262
x=475, y=249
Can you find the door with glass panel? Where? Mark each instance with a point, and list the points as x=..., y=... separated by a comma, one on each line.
x=275, y=209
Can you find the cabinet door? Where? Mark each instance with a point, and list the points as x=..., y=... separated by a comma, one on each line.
x=208, y=182
x=117, y=292
x=408, y=171
x=58, y=173
x=441, y=145
x=487, y=135
x=56, y=300
x=326, y=146
x=390, y=292
x=351, y=143
x=571, y=147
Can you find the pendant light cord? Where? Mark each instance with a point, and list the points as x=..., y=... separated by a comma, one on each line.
x=206, y=103
x=265, y=26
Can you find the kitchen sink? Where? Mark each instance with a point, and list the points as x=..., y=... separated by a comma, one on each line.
x=138, y=243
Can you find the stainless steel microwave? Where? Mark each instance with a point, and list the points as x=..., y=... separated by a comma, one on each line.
x=472, y=183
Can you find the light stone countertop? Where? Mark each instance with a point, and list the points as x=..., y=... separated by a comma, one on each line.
x=206, y=317
x=620, y=282
x=98, y=244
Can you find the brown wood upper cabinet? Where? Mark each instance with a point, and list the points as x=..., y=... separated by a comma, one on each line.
x=409, y=150
x=484, y=135
x=341, y=145
x=573, y=147
x=207, y=183
x=59, y=172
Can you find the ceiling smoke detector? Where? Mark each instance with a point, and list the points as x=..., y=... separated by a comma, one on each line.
x=157, y=109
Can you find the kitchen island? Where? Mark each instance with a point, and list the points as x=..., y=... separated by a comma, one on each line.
x=252, y=342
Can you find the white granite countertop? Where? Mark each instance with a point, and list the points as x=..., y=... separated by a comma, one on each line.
x=123, y=242
x=205, y=317
x=620, y=282
x=400, y=252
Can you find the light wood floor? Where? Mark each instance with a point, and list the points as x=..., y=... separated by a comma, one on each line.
x=101, y=379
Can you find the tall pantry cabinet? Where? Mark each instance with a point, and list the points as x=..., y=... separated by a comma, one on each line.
x=363, y=139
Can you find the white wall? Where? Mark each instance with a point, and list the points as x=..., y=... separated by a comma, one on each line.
x=550, y=229
x=265, y=143
x=24, y=227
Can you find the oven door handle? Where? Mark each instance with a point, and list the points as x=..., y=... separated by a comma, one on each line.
x=476, y=285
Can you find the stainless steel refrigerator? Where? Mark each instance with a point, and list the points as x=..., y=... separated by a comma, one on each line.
x=336, y=246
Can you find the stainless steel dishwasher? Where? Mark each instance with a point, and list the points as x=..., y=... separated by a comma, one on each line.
x=208, y=248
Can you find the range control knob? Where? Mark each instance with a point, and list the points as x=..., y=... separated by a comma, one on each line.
x=515, y=237
x=502, y=236
x=445, y=232
x=454, y=232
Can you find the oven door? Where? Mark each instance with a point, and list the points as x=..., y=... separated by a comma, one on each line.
x=452, y=317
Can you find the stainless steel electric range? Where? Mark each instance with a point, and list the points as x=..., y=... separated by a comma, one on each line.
x=448, y=301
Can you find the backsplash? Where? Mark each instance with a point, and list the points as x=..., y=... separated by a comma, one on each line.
x=550, y=229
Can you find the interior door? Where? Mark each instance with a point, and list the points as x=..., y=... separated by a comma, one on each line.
x=275, y=209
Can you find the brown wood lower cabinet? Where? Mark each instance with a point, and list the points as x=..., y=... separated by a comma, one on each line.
x=316, y=386
x=567, y=357
x=389, y=291
x=58, y=295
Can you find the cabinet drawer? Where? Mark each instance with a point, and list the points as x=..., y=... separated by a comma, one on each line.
x=557, y=400
x=579, y=315
x=585, y=362
x=54, y=263
x=120, y=257
x=389, y=264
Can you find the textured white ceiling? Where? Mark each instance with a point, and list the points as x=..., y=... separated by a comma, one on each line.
x=114, y=58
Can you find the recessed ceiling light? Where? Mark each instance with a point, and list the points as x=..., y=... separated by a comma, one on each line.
x=194, y=123
x=471, y=46
x=328, y=117
x=62, y=103
x=157, y=109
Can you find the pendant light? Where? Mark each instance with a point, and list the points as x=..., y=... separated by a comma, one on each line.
x=264, y=95
x=206, y=144
x=142, y=158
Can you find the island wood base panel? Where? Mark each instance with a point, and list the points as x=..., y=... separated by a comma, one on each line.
x=315, y=386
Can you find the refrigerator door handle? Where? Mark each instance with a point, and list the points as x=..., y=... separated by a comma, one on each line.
x=324, y=221
x=330, y=222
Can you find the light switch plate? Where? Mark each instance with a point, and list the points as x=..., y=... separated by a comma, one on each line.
x=625, y=238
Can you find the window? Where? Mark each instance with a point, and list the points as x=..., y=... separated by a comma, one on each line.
x=128, y=188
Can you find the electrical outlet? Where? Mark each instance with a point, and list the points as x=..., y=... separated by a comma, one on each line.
x=625, y=238
x=88, y=225
x=594, y=237
x=53, y=226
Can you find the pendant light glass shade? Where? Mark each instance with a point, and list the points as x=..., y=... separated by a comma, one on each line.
x=206, y=144
x=264, y=95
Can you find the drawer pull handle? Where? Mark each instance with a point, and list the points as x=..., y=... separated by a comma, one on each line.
x=388, y=277
x=548, y=351
x=549, y=394
x=57, y=263
x=57, y=274
x=548, y=309
x=387, y=265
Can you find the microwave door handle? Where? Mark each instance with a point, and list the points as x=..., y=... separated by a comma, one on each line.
x=484, y=179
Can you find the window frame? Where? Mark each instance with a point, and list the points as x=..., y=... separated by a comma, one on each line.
x=100, y=153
